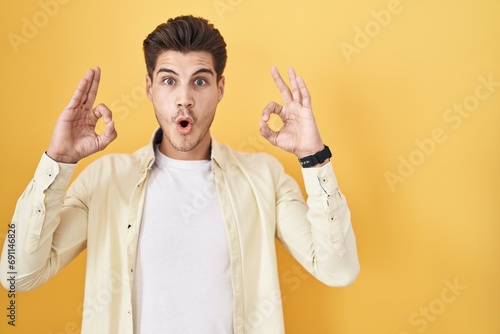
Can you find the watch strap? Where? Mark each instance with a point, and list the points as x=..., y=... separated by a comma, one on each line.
x=317, y=158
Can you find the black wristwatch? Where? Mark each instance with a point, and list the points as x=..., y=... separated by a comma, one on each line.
x=317, y=158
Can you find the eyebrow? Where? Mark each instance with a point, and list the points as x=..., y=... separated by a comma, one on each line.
x=201, y=70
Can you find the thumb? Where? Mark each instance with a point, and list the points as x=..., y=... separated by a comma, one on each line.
x=107, y=136
x=266, y=132
x=109, y=133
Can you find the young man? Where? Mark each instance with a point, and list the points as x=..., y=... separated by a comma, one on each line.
x=180, y=234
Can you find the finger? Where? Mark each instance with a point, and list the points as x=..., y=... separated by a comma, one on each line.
x=266, y=132
x=79, y=95
x=295, y=88
x=103, y=111
x=284, y=90
x=92, y=92
x=109, y=133
x=306, y=97
x=271, y=108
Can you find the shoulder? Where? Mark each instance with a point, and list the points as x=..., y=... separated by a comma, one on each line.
x=247, y=157
x=261, y=170
x=118, y=164
x=258, y=164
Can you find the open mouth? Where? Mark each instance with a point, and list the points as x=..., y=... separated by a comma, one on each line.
x=184, y=125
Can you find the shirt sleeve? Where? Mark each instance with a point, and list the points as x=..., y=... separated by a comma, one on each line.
x=47, y=234
x=318, y=233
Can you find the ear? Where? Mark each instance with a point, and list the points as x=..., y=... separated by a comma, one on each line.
x=220, y=88
x=149, y=85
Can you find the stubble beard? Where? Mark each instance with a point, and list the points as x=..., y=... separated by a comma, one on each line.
x=186, y=142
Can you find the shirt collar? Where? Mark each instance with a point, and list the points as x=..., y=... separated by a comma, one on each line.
x=149, y=156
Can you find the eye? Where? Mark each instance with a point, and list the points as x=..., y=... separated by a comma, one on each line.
x=169, y=81
x=199, y=82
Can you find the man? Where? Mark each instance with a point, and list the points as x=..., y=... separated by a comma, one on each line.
x=180, y=234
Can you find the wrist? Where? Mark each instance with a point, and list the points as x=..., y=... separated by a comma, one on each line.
x=60, y=157
x=318, y=159
x=314, y=150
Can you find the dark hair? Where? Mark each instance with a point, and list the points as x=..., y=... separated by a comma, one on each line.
x=185, y=34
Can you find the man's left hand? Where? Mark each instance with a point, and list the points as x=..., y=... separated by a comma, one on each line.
x=299, y=133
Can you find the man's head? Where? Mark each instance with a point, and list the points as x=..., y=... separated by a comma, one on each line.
x=185, y=59
x=185, y=34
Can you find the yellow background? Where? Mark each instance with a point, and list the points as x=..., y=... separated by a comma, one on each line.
x=437, y=225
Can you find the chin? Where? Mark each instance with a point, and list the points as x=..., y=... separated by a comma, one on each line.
x=184, y=143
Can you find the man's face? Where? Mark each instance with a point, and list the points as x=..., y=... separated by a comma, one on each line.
x=185, y=93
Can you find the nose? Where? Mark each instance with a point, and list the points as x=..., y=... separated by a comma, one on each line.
x=185, y=97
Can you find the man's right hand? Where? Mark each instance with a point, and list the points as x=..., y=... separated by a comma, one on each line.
x=74, y=136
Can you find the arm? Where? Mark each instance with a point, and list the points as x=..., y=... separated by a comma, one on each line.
x=47, y=237
x=319, y=235
x=48, y=233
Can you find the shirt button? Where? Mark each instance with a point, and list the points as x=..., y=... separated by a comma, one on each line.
x=325, y=180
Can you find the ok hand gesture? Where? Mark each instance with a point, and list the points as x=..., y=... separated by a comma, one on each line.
x=299, y=134
x=74, y=135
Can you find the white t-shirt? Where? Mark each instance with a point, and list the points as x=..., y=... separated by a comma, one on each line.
x=182, y=277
